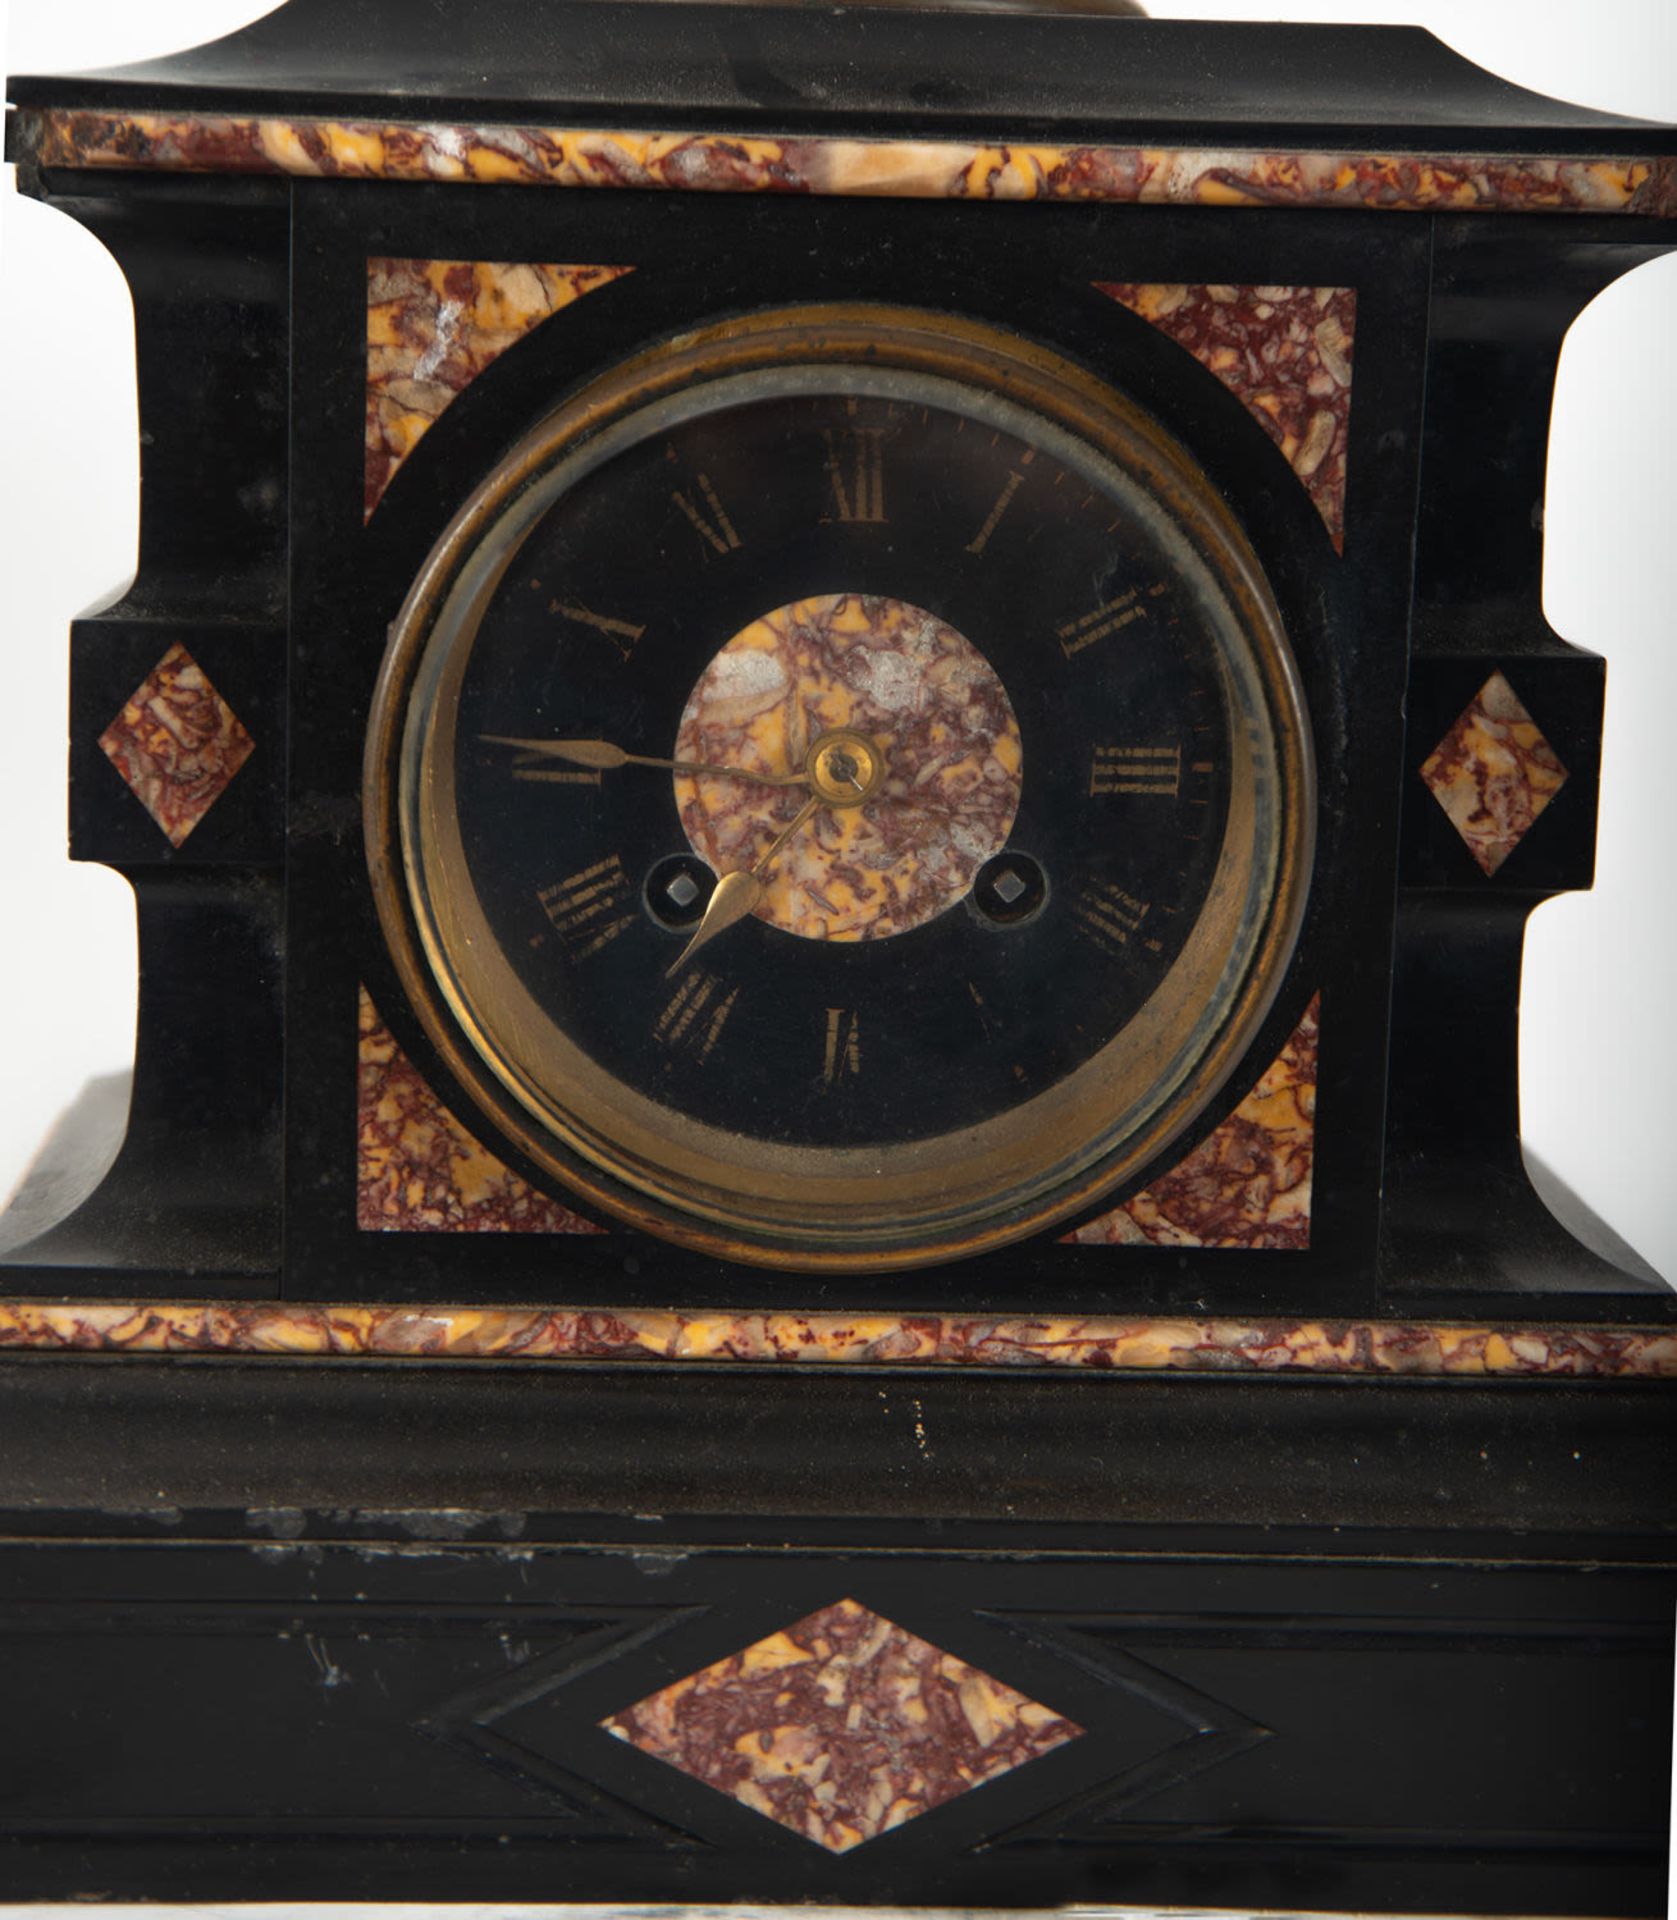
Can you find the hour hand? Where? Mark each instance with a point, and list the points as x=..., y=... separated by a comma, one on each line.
x=737, y=894
x=603, y=754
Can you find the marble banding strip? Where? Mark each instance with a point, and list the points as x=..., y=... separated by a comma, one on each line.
x=506, y=155
x=1347, y=1347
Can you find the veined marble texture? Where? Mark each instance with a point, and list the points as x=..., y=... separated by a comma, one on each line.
x=505, y=155
x=1284, y=353
x=842, y=1726
x=1247, y=1183
x=1493, y=773
x=432, y=328
x=177, y=744
x=901, y=677
x=1110, y=1343
x=418, y=1170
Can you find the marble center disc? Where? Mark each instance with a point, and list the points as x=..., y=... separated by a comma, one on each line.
x=907, y=680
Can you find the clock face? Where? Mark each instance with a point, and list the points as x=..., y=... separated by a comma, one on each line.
x=838, y=794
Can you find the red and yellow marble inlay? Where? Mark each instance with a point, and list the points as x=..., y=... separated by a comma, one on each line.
x=432, y=328
x=899, y=676
x=1284, y=353
x=1493, y=773
x=1247, y=1183
x=177, y=743
x=417, y=1170
x=1102, y=1343
x=718, y=162
x=842, y=1726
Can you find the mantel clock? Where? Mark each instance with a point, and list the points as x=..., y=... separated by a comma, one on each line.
x=833, y=742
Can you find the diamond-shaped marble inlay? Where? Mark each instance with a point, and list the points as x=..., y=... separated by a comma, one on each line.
x=177, y=743
x=1493, y=773
x=842, y=1726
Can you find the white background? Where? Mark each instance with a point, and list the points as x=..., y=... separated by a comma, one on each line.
x=1599, y=1045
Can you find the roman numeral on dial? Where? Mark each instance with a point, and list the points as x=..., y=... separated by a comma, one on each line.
x=709, y=517
x=588, y=909
x=1136, y=770
x=621, y=633
x=844, y=1046
x=981, y=539
x=1110, y=916
x=856, y=473
x=1108, y=618
x=559, y=776
x=692, y=1022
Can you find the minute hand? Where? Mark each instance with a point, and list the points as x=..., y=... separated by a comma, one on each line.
x=602, y=753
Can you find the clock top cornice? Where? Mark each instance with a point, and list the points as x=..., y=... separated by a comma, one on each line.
x=861, y=71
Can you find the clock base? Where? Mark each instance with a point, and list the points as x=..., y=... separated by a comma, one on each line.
x=495, y=1629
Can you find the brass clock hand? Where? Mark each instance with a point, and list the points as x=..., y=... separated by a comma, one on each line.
x=845, y=768
x=602, y=753
x=737, y=893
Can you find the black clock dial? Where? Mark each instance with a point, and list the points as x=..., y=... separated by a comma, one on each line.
x=630, y=586
x=848, y=788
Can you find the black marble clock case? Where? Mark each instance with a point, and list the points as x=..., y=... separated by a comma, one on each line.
x=258, y=932
x=1374, y=1643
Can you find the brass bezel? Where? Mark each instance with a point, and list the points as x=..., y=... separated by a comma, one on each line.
x=768, y=1205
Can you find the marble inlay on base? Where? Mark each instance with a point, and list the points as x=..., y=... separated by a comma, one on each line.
x=177, y=743
x=1493, y=773
x=418, y=1170
x=901, y=677
x=842, y=1726
x=1284, y=353
x=1247, y=1183
x=432, y=328
x=1103, y=1344
x=914, y=169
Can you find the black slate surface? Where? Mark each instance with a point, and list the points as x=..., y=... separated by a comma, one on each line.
x=862, y=70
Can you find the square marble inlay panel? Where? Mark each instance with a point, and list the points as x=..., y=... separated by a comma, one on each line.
x=418, y=1170
x=433, y=326
x=1493, y=773
x=177, y=743
x=1284, y=353
x=841, y=1726
x=1249, y=1181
